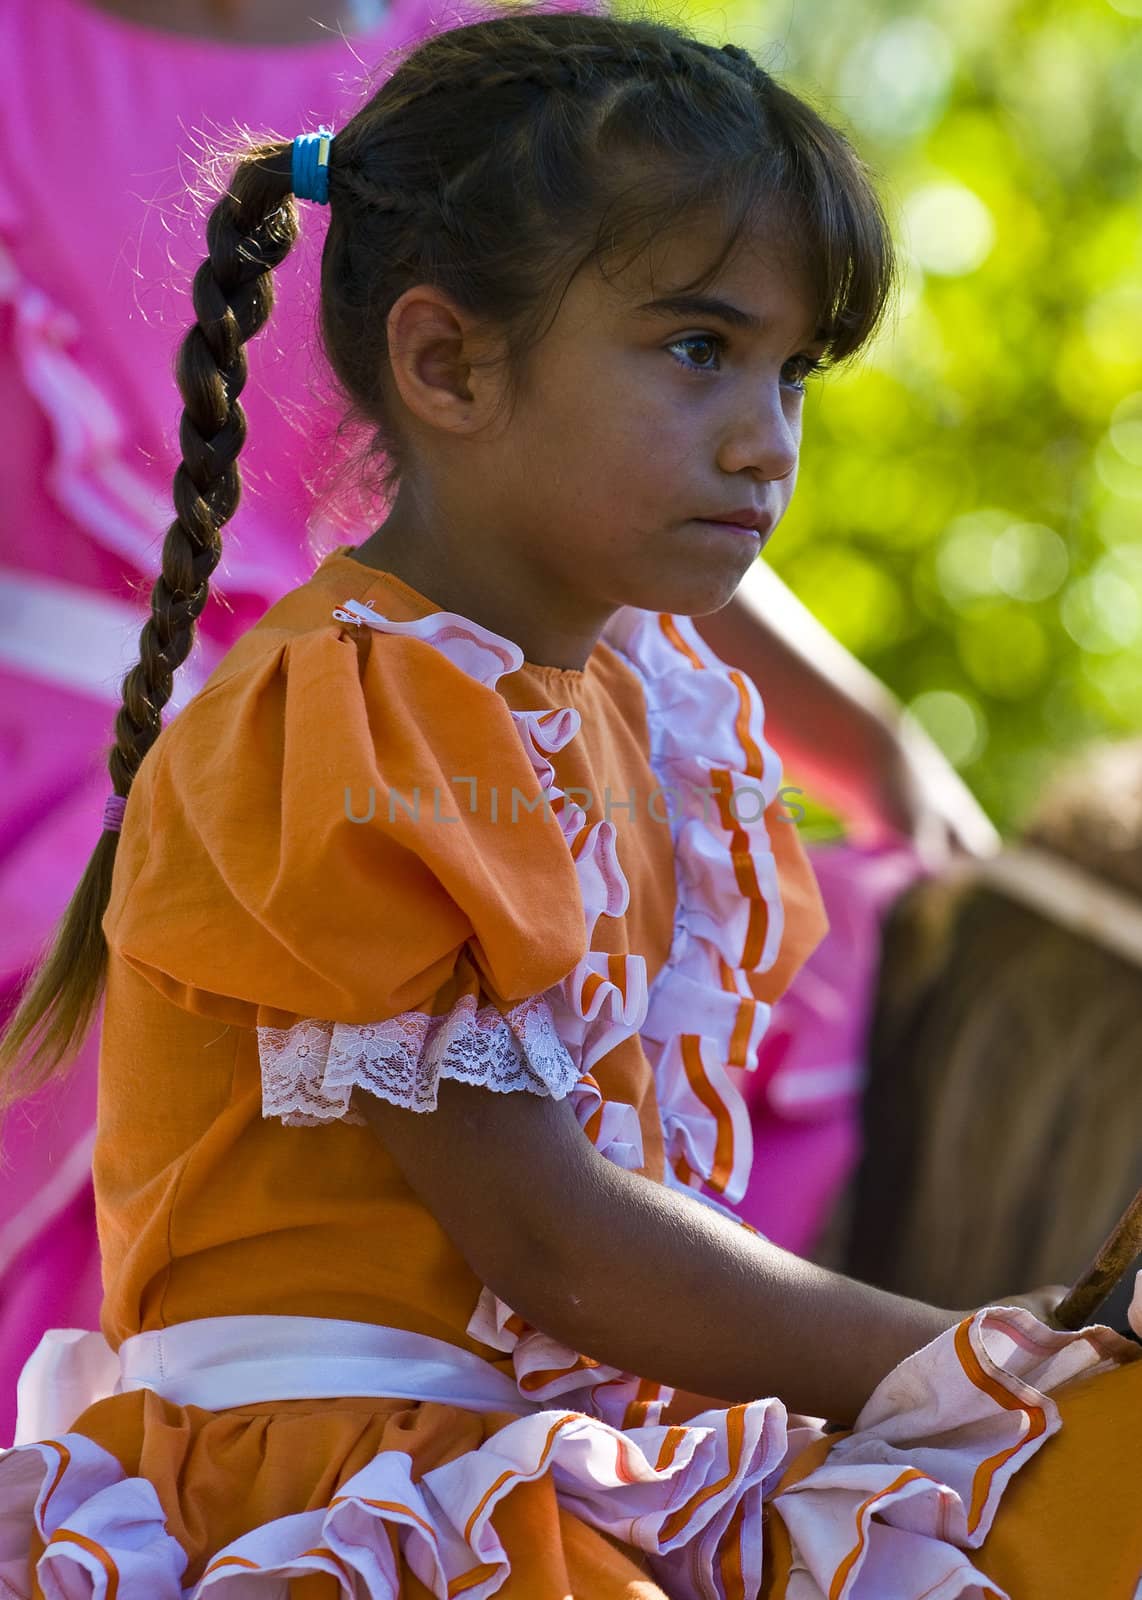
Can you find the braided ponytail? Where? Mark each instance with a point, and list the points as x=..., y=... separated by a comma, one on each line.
x=249, y=232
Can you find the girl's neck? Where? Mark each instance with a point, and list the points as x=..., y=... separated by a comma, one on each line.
x=250, y=21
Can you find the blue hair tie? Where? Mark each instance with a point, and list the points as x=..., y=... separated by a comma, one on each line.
x=311, y=165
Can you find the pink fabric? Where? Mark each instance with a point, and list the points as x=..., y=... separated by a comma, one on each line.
x=804, y=1098
x=104, y=121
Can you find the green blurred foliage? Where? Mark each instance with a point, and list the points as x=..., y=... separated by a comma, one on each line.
x=968, y=517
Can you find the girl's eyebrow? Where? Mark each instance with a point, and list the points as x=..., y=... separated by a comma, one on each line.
x=701, y=305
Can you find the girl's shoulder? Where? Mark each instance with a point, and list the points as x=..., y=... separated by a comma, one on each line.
x=352, y=642
x=301, y=841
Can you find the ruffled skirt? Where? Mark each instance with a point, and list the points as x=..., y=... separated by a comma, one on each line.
x=143, y=1499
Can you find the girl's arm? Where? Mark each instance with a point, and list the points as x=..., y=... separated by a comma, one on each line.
x=839, y=727
x=639, y=1277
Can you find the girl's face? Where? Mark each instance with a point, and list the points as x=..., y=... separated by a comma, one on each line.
x=639, y=422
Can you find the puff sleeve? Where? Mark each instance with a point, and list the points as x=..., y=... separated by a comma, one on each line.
x=327, y=832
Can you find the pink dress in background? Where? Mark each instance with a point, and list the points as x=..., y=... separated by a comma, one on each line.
x=805, y=1096
x=103, y=123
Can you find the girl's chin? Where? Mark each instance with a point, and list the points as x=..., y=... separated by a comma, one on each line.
x=694, y=594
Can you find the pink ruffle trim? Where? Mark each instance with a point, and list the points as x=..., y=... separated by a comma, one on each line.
x=91, y=475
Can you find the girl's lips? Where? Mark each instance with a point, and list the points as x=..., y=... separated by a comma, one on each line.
x=734, y=527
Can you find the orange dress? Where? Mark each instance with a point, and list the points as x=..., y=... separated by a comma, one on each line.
x=379, y=849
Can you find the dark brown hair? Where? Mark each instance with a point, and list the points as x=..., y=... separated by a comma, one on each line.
x=1004, y=1098
x=497, y=161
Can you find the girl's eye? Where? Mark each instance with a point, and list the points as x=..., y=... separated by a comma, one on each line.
x=711, y=341
x=714, y=342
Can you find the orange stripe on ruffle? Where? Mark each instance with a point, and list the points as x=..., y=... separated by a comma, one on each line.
x=504, y=1476
x=684, y=1171
x=616, y=974
x=735, y=1436
x=722, y=783
x=670, y=629
x=731, y=1558
x=231, y=1561
x=840, y=1577
x=470, y=1579
x=724, y=1140
x=64, y=1463
x=388, y=1505
x=744, y=1021
x=745, y=872
x=738, y=1055
x=617, y=971
x=754, y=764
x=1036, y=1419
x=594, y=1122
x=593, y=1125
x=331, y=1555
x=669, y=1448
x=96, y=1550
x=467, y=1581
x=646, y=1395
x=537, y=1380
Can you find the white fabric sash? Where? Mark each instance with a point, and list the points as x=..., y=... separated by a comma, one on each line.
x=220, y=1362
x=82, y=639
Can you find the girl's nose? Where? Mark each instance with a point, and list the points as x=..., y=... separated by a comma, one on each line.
x=763, y=439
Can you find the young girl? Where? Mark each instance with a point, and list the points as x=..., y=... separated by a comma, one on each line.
x=88, y=450
x=444, y=917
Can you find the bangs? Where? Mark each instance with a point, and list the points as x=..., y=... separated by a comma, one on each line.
x=801, y=186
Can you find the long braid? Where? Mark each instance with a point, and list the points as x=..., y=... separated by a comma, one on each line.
x=233, y=295
x=249, y=232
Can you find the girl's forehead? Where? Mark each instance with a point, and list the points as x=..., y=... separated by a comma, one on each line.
x=763, y=281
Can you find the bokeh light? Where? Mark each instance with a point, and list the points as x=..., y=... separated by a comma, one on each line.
x=896, y=81
x=1029, y=561
x=954, y=722
x=948, y=228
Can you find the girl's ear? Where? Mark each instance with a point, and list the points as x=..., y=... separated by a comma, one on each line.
x=439, y=363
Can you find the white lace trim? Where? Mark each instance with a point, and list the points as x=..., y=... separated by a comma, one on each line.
x=309, y=1071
